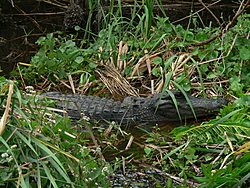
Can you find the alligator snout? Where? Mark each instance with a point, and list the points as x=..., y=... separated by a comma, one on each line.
x=218, y=103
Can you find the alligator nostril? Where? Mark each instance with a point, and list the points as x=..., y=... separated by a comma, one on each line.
x=224, y=101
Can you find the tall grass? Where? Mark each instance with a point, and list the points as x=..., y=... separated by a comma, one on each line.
x=39, y=149
x=35, y=152
x=149, y=16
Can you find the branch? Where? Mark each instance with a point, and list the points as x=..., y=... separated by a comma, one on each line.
x=231, y=24
x=211, y=13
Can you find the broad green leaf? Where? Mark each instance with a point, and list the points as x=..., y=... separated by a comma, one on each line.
x=245, y=53
x=156, y=71
x=157, y=60
x=201, y=37
x=79, y=59
x=189, y=36
x=93, y=65
x=211, y=75
x=243, y=101
x=147, y=150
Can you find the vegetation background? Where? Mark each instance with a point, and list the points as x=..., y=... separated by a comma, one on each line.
x=109, y=54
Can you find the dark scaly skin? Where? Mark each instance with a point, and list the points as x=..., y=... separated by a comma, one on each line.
x=136, y=110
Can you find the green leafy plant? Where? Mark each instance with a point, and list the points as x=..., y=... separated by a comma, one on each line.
x=222, y=177
x=58, y=57
x=151, y=54
x=37, y=153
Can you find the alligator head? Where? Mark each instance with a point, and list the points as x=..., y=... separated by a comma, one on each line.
x=166, y=107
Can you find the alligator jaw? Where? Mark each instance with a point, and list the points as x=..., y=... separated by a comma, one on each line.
x=208, y=104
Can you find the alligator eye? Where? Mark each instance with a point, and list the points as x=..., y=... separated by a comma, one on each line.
x=178, y=95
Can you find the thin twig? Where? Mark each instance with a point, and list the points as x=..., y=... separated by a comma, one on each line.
x=211, y=13
x=195, y=12
x=231, y=24
x=49, y=2
x=31, y=19
x=40, y=14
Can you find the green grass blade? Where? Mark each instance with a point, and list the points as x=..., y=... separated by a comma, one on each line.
x=246, y=177
x=175, y=102
x=58, y=167
x=50, y=177
x=27, y=142
x=221, y=120
x=186, y=97
x=22, y=113
x=173, y=151
x=16, y=162
x=199, y=72
x=38, y=174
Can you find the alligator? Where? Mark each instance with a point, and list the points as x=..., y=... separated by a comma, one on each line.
x=163, y=107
